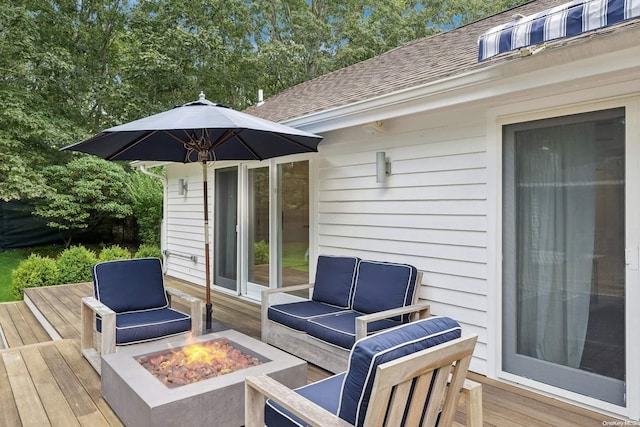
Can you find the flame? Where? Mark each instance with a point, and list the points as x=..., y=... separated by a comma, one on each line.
x=199, y=353
x=196, y=361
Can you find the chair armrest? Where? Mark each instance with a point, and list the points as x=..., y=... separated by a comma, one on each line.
x=286, y=289
x=89, y=307
x=472, y=393
x=258, y=389
x=195, y=307
x=421, y=309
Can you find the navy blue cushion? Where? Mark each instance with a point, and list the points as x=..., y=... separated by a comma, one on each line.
x=383, y=347
x=334, y=280
x=325, y=393
x=382, y=286
x=130, y=285
x=295, y=314
x=150, y=324
x=340, y=329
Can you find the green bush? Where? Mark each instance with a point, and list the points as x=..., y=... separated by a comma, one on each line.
x=34, y=271
x=114, y=252
x=261, y=252
x=75, y=264
x=148, y=251
x=146, y=196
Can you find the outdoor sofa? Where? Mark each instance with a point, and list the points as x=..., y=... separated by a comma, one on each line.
x=351, y=299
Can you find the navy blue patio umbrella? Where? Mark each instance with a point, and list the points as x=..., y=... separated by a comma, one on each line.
x=199, y=131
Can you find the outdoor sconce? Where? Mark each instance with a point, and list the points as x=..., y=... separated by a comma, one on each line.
x=383, y=166
x=182, y=187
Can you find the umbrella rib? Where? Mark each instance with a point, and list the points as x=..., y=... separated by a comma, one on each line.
x=130, y=145
x=243, y=142
x=293, y=141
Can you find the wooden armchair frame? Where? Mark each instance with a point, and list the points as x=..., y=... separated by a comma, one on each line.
x=94, y=344
x=445, y=365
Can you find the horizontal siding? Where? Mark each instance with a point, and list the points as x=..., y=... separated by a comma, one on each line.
x=430, y=212
x=184, y=224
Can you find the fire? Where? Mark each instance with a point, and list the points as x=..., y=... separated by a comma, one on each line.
x=196, y=362
x=199, y=353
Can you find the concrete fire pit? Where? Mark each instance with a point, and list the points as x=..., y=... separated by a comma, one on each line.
x=141, y=400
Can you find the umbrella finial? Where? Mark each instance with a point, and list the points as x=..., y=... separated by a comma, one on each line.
x=201, y=96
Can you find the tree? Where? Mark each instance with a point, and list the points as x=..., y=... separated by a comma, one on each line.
x=87, y=192
x=146, y=197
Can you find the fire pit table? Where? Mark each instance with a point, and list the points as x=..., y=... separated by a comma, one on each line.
x=142, y=398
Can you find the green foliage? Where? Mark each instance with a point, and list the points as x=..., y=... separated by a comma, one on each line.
x=75, y=264
x=88, y=191
x=261, y=253
x=114, y=252
x=145, y=193
x=32, y=272
x=148, y=251
x=9, y=261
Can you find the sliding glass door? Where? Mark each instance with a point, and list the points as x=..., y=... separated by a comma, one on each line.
x=225, y=228
x=563, y=253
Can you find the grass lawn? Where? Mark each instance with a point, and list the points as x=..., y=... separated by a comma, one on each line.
x=293, y=256
x=8, y=261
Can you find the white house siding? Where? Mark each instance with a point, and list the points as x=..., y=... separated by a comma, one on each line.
x=430, y=212
x=184, y=224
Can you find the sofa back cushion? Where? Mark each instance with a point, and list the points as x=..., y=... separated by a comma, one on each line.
x=334, y=280
x=384, y=347
x=382, y=286
x=130, y=285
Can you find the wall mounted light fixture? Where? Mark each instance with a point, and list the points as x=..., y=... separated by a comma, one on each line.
x=182, y=187
x=383, y=166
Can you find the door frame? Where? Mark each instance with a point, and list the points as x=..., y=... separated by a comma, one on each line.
x=549, y=108
x=246, y=288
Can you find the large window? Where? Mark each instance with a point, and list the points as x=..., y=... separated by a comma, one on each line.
x=563, y=252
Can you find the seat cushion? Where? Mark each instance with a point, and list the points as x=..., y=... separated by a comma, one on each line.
x=325, y=393
x=340, y=329
x=295, y=315
x=382, y=286
x=334, y=280
x=130, y=285
x=134, y=327
x=383, y=347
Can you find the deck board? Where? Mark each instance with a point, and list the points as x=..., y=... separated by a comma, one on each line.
x=9, y=415
x=504, y=405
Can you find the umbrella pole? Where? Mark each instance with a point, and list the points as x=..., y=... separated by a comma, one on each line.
x=207, y=261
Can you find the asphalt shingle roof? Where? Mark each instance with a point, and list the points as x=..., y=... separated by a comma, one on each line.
x=418, y=62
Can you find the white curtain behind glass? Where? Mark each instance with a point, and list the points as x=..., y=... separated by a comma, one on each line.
x=555, y=225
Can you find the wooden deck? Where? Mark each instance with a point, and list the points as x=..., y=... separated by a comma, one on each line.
x=46, y=382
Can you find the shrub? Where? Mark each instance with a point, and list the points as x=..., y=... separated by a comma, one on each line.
x=114, y=252
x=148, y=251
x=261, y=252
x=34, y=271
x=75, y=264
x=146, y=196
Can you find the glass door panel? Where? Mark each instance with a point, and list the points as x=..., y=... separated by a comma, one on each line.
x=294, y=227
x=564, y=243
x=226, y=220
x=258, y=242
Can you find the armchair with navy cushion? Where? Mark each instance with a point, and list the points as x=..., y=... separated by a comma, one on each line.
x=409, y=375
x=131, y=305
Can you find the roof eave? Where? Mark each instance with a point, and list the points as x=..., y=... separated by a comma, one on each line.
x=589, y=56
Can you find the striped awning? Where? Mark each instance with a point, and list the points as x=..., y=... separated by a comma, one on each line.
x=566, y=20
